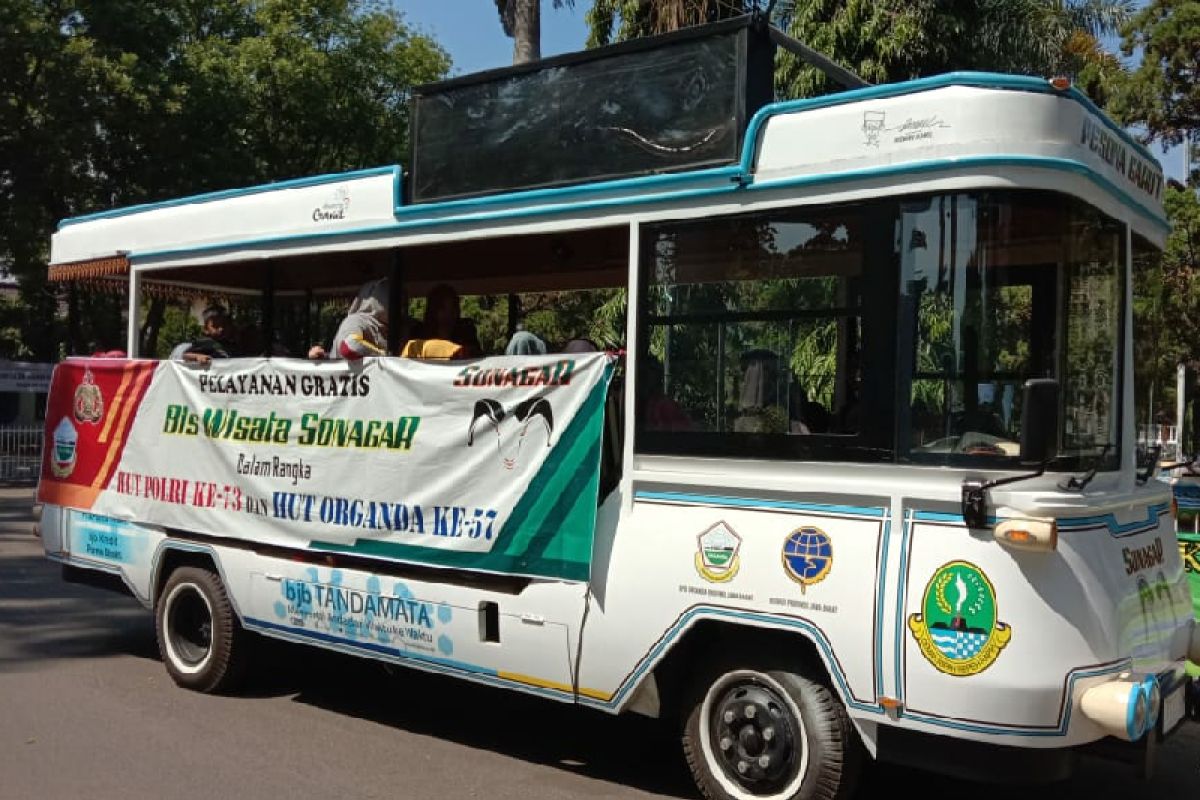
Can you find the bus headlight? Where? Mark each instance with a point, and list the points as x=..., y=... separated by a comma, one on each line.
x=1125, y=707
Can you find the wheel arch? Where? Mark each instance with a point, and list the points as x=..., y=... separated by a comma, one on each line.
x=173, y=554
x=711, y=637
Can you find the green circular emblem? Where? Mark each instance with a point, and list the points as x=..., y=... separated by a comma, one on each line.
x=958, y=630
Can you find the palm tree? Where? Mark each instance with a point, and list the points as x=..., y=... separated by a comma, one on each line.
x=522, y=22
x=636, y=18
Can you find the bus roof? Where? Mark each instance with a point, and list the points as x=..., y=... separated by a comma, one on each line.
x=963, y=129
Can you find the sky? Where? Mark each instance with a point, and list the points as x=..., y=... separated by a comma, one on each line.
x=470, y=32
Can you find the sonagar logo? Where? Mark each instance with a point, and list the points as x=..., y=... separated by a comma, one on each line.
x=958, y=630
x=527, y=412
x=1141, y=558
x=717, y=558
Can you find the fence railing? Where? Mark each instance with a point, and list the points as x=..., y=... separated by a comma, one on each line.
x=1163, y=436
x=20, y=453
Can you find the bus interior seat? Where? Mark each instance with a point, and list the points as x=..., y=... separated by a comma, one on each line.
x=612, y=444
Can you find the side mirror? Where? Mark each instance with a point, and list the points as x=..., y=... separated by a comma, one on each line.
x=1039, y=420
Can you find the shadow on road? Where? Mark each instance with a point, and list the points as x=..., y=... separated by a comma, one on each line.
x=44, y=618
x=631, y=751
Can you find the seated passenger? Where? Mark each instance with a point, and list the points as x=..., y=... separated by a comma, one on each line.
x=444, y=322
x=580, y=346
x=770, y=402
x=524, y=343
x=218, y=339
x=364, y=330
x=662, y=413
x=436, y=349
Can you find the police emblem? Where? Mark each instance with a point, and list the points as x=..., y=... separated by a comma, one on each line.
x=807, y=556
x=717, y=558
x=89, y=403
x=958, y=630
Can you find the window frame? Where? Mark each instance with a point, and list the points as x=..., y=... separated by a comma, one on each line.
x=876, y=314
x=907, y=326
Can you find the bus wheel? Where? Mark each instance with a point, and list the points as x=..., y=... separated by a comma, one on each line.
x=754, y=734
x=199, y=637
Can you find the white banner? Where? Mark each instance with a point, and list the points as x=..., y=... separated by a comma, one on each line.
x=491, y=464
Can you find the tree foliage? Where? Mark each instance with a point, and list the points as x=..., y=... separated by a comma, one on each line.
x=106, y=103
x=619, y=20
x=1163, y=93
x=1166, y=305
x=894, y=40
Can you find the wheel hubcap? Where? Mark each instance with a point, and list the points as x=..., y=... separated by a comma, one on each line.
x=755, y=742
x=190, y=627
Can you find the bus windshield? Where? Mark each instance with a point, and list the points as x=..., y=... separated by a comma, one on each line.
x=997, y=288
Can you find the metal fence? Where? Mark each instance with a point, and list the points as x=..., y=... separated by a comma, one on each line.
x=1165, y=437
x=20, y=453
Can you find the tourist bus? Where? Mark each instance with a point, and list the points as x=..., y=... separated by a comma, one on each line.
x=858, y=481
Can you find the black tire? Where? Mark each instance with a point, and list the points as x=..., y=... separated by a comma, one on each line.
x=811, y=749
x=200, y=639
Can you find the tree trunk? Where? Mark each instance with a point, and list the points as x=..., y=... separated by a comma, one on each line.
x=527, y=31
x=75, y=344
x=148, y=347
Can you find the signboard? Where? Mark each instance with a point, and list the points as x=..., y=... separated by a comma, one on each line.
x=20, y=376
x=488, y=465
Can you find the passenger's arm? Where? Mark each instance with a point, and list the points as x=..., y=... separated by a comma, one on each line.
x=354, y=347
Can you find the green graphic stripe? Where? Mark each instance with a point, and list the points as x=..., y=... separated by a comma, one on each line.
x=578, y=449
x=566, y=532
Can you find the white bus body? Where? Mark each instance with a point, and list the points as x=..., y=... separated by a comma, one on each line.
x=832, y=584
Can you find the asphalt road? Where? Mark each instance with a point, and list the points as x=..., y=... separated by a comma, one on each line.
x=88, y=711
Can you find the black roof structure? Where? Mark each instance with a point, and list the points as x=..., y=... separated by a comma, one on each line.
x=676, y=102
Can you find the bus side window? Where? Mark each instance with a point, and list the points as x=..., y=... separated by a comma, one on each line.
x=752, y=333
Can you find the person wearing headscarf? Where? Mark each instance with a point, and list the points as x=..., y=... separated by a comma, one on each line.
x=364, y=330
x=525, y=343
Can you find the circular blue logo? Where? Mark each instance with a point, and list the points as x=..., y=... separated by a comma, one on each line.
x=807, y=555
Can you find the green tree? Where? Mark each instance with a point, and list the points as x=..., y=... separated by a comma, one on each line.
x=619, y=20
x=886, y=41
x=1166, y=305
x=1163, y=93
x=1162, y=97
x=113, y=102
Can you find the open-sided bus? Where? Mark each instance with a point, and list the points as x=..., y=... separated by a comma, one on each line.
x=860, y=479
